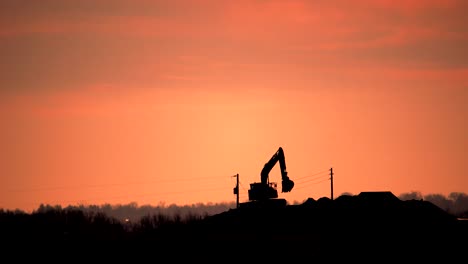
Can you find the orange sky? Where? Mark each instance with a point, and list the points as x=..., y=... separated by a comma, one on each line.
x=164, y=101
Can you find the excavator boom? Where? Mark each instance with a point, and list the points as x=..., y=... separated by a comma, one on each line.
x=287, y=184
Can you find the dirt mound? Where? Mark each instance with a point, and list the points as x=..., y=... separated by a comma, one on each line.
x=371, y=217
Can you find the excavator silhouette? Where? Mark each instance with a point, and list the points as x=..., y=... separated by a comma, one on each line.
x=265, y=191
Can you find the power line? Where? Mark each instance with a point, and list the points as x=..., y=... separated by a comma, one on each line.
x=317, y=173
x=304, y=186
x=139, y=195
x=171, y=193
x=314, y=179
x=106, y=185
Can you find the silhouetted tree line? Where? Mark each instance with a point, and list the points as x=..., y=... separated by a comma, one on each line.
x=132, y=212
x=456, y=203
x=104, y=222
x=53, y=222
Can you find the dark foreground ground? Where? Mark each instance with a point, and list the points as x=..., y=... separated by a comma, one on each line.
x=375, y=223
x=370, y=217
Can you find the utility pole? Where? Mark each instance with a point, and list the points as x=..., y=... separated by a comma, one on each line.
x=236, y=190
x=331, y=182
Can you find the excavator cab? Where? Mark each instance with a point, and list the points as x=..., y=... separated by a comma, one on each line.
x=260, y=191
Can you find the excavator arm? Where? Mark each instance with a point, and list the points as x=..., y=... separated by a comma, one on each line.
x=286, y=183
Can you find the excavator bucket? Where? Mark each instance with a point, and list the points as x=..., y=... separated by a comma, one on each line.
x=287, y=185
